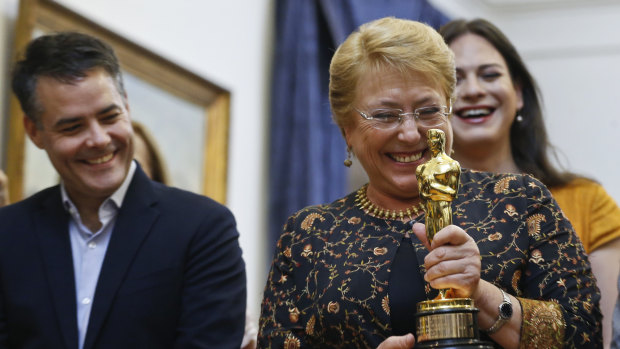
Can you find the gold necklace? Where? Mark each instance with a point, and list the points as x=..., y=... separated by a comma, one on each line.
x=362, y=201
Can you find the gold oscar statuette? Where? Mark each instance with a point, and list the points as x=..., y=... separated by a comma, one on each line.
x=443, y=322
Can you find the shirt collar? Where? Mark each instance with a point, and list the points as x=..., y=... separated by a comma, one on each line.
x=117, y=197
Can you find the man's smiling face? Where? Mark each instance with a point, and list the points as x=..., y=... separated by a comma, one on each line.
x=85, y=128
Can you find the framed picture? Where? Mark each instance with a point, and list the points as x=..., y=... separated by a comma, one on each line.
x=187, y=115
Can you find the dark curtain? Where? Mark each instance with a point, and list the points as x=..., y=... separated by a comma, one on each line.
x=307, y=149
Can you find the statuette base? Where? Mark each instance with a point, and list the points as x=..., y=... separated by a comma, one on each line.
x=448, y=323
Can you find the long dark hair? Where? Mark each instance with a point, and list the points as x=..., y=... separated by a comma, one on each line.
x=528, y=139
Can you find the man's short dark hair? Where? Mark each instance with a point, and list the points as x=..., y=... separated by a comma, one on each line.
x=65, y=57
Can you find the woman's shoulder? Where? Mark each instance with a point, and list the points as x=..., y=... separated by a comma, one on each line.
x=312, y=224
x=492, y=176
x=322, y=212
x=506, y=197
x=335, y=205
x=592, y=211
x=580, y=185
x=500, y=182
x=582, y=194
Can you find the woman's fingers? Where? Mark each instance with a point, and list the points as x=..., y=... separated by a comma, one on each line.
x=460, y=275
x=453, y=260
x=398, y=342
x=450, y=252
x=450, y=235
x=419, y=230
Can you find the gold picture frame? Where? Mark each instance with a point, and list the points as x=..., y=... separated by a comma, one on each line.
x=210, y=101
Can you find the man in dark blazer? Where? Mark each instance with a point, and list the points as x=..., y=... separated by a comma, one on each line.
x=108, y=258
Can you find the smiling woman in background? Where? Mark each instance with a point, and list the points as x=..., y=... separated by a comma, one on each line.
x=498, y=127
x=148, y=155
x=348, y=274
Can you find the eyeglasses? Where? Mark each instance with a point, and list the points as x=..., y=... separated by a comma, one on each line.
x=389, y=118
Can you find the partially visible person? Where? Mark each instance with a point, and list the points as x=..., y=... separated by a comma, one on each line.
x=615, y=340
x=108, y=258
x=251, y=331
x=4, y=189
x=148, y=155
x=348, y=274
x=498, y=127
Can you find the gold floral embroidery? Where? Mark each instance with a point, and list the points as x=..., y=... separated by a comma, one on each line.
x=515, y=280
x=287, y=252
x=307, y=251
x=533, y=223
x=380, y=251
x=309, y=220
x=503, y=184
x=354, y=220
x=293, y=314
x=543, y=324
x=291, y=342
x=511, y=210
x=536, y=257
x=333, y=307
x=495, y=237
x=561, y=283
x=385, y=304
x=585, y=337
x=310, y=325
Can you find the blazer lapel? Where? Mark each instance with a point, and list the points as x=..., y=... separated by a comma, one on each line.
x=133, y=224
x=52, y=230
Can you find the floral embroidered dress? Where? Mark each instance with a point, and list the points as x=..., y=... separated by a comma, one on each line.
x=328, y=284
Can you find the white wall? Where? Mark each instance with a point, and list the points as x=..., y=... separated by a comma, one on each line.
x=571, y=48
x=226, y=42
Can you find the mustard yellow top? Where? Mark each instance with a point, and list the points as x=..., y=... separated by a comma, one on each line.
x=593, y=213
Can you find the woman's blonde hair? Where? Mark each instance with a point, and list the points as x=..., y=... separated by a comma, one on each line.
x=388, y=43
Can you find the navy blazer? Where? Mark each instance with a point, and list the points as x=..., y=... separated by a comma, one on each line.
x=172, y=276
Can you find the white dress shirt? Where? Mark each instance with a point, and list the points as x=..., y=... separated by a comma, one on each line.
x=88, y=248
